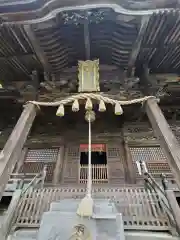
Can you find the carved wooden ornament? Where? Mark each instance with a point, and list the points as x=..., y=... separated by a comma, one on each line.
x=88, y=76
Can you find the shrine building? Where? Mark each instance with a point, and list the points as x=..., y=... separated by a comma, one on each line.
x=90, y=120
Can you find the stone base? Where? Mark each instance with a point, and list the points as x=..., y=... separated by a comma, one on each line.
x=61, y=221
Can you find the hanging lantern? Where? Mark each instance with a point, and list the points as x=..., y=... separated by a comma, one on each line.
x=60, y=111
x=118, y=109
x=102, y=106
x=89, y=104
x=75, y=106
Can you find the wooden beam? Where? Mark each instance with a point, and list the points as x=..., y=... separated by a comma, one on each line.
x=59, y=166
x=168, y=141
x=86, y=36
x=137, y=45
x=36, y=83
x=145, y=83
x=131, y=172
x=21, y=159
x=18, y=55
x=11, y=152
x=36, y=46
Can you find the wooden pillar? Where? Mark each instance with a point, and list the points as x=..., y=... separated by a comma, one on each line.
x=167, y=139
x=13, y=147
x=131, y=172
x=174, y=207
x=59, y=166
x=21, y=159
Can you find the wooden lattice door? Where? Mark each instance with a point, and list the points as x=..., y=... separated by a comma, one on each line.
x=115, y=160
x=71, y=164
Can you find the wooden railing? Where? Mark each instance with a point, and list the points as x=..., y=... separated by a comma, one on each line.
x=99, y=173
x=141, y=209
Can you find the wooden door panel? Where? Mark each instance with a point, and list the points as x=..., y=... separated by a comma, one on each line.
x=71, y=166
x=115, y=160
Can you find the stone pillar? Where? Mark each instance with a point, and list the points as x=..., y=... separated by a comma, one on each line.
x=131, y=172
x=10, y=154
x=59, y=166
x=168, y=141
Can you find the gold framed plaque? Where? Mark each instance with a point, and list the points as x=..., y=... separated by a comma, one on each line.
x=88, y=76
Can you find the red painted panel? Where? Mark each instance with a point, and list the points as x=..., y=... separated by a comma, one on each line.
x=94, y=147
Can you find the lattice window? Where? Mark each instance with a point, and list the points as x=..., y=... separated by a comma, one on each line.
x=147, y=154
x=113, y=152
x=36, y=159
x=156, y=162
x=73, y=152
x=36, y=167
x=42, y=155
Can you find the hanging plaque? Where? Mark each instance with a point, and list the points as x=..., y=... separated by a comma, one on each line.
x=88, y=76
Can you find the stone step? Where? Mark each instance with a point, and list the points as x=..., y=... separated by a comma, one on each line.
x=60, y=221
x=67, y=206
x=28, y=234
x=103, y=209
x=62, y=218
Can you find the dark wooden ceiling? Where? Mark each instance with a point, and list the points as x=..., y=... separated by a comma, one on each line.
x=58, y=40
x=40, y=47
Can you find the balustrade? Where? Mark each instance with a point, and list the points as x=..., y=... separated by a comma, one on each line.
x=99, y=173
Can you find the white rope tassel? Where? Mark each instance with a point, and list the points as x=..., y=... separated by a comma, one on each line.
x=75, y=106
x=102, y=106
x=85, y=208
x=89, y=104
x=60, y=111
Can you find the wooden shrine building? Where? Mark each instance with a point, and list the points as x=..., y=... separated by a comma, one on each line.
x=118, y=60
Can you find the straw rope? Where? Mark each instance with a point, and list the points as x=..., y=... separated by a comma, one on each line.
x=94, y=96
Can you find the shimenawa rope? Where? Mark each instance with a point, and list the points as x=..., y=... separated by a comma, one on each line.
x=94, y=96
